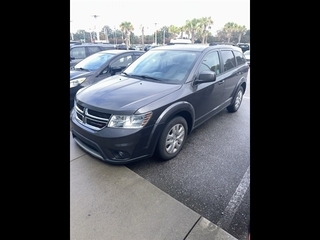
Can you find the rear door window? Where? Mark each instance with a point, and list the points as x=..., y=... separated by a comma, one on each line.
x=229, y=60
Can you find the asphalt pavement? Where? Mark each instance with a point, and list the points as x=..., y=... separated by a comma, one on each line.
x=111, y=202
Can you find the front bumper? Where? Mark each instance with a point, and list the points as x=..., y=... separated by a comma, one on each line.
x=116, y=146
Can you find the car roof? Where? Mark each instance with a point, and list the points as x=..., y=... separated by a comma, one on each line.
x=119, y=51
x=93, y=44
x=194, y=47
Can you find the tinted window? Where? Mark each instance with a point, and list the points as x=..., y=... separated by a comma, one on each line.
x=78, y=53
x=210, y=62
x=122, y=62
x=164, y=65
x=240, y=58
x=93, y=49
x=94, y=61
x=229, y=60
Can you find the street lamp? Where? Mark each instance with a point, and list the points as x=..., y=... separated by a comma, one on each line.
x=96, y=28
x=71, y=31
x=90, y=34
x=115, y=37
x=164, y=36
x=155, y=34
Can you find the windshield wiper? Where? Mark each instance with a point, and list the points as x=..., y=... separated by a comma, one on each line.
x=124, y=73
x=144, y=77
x=82, y=69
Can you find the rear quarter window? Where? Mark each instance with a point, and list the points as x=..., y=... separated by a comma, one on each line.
x=240, y=58
x=229, y=60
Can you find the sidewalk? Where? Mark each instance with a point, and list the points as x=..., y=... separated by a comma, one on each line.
x=110, y=202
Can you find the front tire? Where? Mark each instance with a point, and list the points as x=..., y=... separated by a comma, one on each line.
x=237, y=102
x=172, y=138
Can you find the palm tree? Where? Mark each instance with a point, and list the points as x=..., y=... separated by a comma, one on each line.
x=230, y=28
x=174, y=30
x=192, y=26
x=205, y=23
x=181, y=31
x=241, y=30
x=127, y=28
x=106, y=30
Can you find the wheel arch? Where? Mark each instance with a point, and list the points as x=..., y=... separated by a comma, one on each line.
x=242, y=84
x=183, y=109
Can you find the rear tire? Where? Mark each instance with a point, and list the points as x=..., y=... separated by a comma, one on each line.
x=172, y=138
x=237, y=102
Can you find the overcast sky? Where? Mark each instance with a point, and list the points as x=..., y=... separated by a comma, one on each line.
x=162, y=12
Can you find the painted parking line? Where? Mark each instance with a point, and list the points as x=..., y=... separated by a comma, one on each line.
x=235, y=201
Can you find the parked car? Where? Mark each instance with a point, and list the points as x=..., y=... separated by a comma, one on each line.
x=155, y=103
x=124, y=47
x=74, y=43
x=148, y=47
x=99, y=66
x=244, y=46
x=247, y=56
x=79, y=52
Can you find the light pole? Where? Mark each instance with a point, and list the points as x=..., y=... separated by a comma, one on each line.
x=164, y=36
x=96, y=28
x=115, y=37
x=90, y=34
x=155, y=33
x=71, y=31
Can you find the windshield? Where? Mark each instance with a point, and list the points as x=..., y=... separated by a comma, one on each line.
x=169, y=66
x=94, y=61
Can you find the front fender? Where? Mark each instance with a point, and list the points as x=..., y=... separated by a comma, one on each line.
x=182, y=108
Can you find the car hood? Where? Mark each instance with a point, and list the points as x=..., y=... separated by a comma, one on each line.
x=124, y=94
x=77, y=74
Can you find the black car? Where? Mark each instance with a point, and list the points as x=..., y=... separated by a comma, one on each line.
x=124, y=47
x=99, y=66
x=244, y=46
x=154, y=104
x=80, y=51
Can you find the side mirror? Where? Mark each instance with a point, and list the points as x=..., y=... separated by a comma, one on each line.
x=115, y=70
x=206, y=76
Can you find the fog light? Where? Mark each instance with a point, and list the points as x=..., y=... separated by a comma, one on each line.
x=119, y=154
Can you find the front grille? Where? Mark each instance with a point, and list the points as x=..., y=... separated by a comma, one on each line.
x=92, y=119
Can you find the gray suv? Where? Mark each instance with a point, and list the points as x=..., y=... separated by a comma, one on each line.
x=154, y=104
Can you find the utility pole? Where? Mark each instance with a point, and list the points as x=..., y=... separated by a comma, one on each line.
x=71, y=31
x=96, y=28
x=155, y=34
x=164, y=37
x=106, y=34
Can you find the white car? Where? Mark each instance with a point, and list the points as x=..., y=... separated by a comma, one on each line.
x=247, y=56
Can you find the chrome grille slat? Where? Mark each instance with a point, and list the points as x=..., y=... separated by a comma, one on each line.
x=90, y=118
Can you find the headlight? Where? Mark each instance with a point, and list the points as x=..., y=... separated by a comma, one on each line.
x=76, y=82
x=131, y=121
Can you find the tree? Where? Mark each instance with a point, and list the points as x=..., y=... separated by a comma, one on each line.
x=241, y=30
x=127, y=28
x=174, y=30
x=192, y=26
x=230, y=28
x=205, y=23
x=106, y=29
